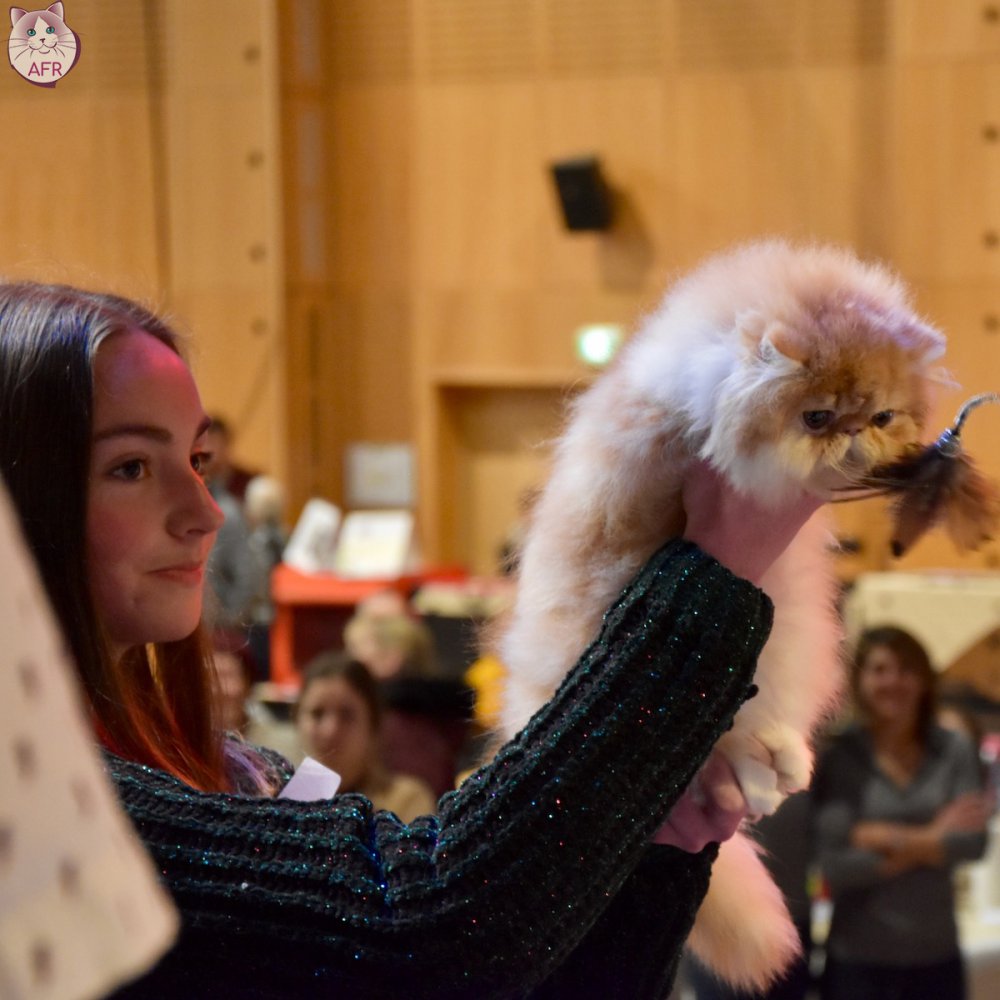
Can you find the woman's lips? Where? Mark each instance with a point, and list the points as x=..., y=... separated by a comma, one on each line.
x=188, y=574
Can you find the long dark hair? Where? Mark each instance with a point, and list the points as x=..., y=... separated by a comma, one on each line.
x=155, y=704
x=912, y=654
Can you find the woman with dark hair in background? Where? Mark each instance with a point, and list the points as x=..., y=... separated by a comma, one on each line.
x=339, y=720
x=898, y=805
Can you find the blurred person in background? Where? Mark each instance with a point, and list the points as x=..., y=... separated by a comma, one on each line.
x=898, y=804
x=339, y=719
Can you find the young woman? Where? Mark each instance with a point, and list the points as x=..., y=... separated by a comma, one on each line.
x=538, y=876
x=339, y=721
x=898, y=805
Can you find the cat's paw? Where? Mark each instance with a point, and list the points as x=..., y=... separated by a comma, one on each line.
x=769, y=763
x=793, y=759
x=759, y=783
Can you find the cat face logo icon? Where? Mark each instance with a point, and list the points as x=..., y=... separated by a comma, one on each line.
x=42, y=47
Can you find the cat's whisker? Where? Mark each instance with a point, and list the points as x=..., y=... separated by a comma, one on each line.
x=863, y=483
x=859, y=493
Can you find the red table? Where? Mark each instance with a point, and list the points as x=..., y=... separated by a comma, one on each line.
x=311, y=609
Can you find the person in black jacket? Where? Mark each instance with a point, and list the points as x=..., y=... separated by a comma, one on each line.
x=570, y=866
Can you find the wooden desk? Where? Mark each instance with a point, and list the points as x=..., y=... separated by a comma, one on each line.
x=311, y=609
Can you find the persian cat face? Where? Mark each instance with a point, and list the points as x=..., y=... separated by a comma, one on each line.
x=835, y=376
x=843, y=389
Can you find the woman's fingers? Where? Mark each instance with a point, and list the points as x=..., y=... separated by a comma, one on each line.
x=710, y=810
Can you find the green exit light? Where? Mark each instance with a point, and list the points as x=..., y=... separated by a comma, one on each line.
x=597, y=343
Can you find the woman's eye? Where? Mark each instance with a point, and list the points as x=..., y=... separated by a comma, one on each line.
x=816, y=420
x=200, y=460
x=131, y=471
x=883, y=418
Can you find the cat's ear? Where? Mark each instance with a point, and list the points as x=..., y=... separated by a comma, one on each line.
x=16, y=13
x=924, y=341
x=770, y=339
x=782, y=342
x=57, y=9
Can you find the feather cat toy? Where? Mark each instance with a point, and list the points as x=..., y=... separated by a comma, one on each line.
x=785, y=368
x=938, y=483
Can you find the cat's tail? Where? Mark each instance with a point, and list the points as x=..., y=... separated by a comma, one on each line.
x=742, y=931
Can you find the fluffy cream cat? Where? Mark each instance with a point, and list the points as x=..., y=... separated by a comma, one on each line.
x=784, y=367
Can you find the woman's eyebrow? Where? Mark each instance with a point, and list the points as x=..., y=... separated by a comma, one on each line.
x=159, y=434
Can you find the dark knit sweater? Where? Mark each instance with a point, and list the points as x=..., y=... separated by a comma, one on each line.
x=535, y=879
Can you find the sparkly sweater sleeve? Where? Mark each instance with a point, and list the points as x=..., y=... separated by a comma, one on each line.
x=488, y=897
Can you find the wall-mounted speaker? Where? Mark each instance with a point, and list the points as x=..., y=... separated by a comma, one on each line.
x=583, y=193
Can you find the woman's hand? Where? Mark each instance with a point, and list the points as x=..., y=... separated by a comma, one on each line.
x=735, y=529
x=710, y=810
x=905, y=846
x=968, y=813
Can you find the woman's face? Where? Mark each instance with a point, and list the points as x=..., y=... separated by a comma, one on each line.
x=335, y=726
x=890, y=689
x=151, y=522
x=232, y=689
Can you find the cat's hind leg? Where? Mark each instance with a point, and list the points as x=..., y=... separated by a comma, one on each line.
x=743, y=931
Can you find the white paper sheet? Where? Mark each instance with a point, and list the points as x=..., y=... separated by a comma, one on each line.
x=311, y=781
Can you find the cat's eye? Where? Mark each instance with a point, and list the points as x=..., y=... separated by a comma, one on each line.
x=50, y=31
x=883, y=418
x=816, y=420
x=31, y=32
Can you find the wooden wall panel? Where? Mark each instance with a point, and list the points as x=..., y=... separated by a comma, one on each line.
x=842, y=155
x=156, y=177
x=630, y=123
x=344, y=353
x=590, y=39
x=945, y=160
x=874, y=123
x=369, y=170
x=219, y=106
x=348, y=167
x=480, y=190
x=78, y=164
x=927, y=29
x=312, y=449
x=499, y=438
x=736, y=168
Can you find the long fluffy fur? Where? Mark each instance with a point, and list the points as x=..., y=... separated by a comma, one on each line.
x=718, y=372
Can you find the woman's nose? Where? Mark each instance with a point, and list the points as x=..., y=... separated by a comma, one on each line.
x=327, y=732
x=195, y=508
